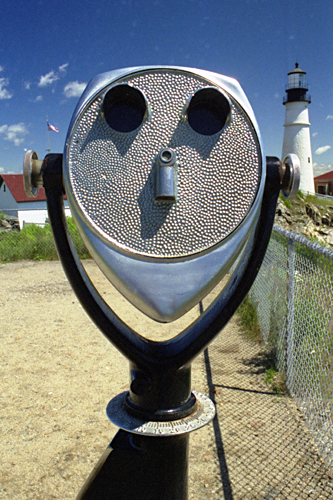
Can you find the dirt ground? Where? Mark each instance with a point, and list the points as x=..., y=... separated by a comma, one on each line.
x=58, y=373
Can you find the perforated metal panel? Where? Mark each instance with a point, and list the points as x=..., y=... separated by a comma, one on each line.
x=113, y=179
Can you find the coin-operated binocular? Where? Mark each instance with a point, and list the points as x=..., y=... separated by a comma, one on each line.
x=164, y=173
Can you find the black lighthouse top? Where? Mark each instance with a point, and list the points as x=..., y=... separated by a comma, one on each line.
x=297, y=87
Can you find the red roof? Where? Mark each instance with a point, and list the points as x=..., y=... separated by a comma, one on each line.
x=14, y=182
x=325, y=177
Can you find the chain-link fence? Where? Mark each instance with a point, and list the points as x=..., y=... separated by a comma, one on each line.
x=293, y=295
x=26, y=234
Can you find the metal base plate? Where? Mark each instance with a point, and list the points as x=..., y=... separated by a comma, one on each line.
x=204, y=413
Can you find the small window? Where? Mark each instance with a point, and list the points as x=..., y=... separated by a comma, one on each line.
x=4, y=188
x=309, y=160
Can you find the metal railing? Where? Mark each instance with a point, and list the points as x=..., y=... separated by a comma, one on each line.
x=292, y=86
x=293, y=294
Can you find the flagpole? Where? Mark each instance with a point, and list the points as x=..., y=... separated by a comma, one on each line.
x=48, y=134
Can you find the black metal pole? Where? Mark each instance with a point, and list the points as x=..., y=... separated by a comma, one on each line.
x=140, y=468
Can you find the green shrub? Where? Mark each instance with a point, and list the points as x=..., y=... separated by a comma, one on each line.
x=36, y=243
x=248, y=319
x=285, y=201
x=320, y=203
x=77, y=240
x=275, y=380
x=315, y=339
x=247, y=313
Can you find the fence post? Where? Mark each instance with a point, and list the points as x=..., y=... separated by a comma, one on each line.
x=289, y=340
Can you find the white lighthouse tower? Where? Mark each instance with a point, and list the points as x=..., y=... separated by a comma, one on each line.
x=296, y=137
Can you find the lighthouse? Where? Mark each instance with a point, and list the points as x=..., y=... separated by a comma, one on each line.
x=296, y=138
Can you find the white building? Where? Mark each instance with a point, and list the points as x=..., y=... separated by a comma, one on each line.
x=15, y=202
x=296, y=137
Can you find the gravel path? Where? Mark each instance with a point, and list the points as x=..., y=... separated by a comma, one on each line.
x=58, y=373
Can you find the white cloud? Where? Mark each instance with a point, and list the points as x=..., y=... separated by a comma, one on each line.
x=322, y=150
x=314, y=134
x=37, y=99
x=4, y=93
x=48, y=79
x=2, y=170
x=27, y=85
x=52, y=76
x=63, y=68
x=14, y=133
x=321, y=169
x=74, y=89
x=1, y=68
x=329, y=117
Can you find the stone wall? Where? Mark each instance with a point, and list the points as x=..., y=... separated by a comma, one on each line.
x=9, y=223
x=313, y=221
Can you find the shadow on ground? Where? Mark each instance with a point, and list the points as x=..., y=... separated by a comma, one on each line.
x=264, y=449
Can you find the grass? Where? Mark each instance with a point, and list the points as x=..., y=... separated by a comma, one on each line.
x=35, y=242
x=321, y=203
x=285, y=201
x=298, y=205
x=275, y=380
x=249, y=324
x=248, y=319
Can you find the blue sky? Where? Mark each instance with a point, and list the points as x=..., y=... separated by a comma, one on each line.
x=49, y=50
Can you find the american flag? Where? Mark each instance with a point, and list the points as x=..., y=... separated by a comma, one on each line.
x=52, y=127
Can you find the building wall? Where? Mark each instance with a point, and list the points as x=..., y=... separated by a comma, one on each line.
x=27, y=212
x=35, y=216
x=7, y=200
x=297, y=140
x=324, y=187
